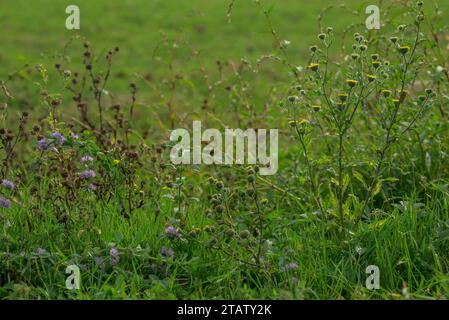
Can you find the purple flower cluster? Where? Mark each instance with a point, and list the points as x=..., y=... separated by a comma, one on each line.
x=86, y=174
x=40, y=251
x=114, y=255
x=87, y=159
x=172, y=232
x=42, y=144
x=292, y=266
x=167, y=252
x=8, y=184
x=59, y=137
x=5, y=203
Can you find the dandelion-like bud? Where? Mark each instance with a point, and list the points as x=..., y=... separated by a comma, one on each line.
x=343, y=97
x=351, y=83
x=316, y=108
x=404, y=49
x=322, y=36
x=314, y=66
x=386, y=93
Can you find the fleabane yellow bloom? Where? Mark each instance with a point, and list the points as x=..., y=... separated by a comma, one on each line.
x=352, y=83
x=386, y=93
x=404, y=49
x=371, y=77
x=314, y=66
x=343, y=97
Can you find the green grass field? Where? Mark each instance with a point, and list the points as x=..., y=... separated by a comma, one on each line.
x=363, y=150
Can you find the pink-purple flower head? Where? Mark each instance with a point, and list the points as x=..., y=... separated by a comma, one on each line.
x=8, y=184
x=58, y=137
x=86, y=174
x=114, y=256
x=5, y=203
x=40, y=251
x=42, y=144
x=167, y=252
x=172, y=232
x=87, y=159
x=292, y=266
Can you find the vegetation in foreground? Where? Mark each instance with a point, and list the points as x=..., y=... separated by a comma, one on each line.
x=87, y=180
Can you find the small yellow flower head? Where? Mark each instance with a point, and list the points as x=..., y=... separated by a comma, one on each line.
x=264, y=201
x=116, y=161
x=343, y=97
x=316, y=108
x=404, y=49
x=313, y=66
x=386, y=93
x=376, y=64
x=351, y=83
x=371, y=78
x=396, y=102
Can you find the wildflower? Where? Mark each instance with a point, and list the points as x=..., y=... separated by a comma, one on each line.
x=59, y=137
x=40, y=251
x=322, y=36
x=313, y=66
x=167, y=252
x=371, y=78
x=404, y=49
x=5, y=203
x=376, y=64
x=42, y=144
x=172, y=232
x=244, y=234
x=394, y=39
x=351, y=83
x=292, y=266
x=292, y=99
x=116, y=161
x=87, y=159
x=313, y=48
x=8, y=184
x=99, y=261
x=343, y=97
x=363, y=47
x=92, y=187
x=87, y=174
x=355, y=56
x=316, y=108
x=75, y=136
x=329, y=29
x=114, y=256
x=396, y=102
x=386, y=93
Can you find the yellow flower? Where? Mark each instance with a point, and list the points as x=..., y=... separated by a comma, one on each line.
x=116, y=161
x=343, y=97
x=404, y=49
x=313, y=66
x=351, y=83
x=376, y=64
x=371, y=78
x=316, y=108
x=386, y=93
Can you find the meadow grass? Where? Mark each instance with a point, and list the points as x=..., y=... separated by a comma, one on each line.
x=145, y=229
